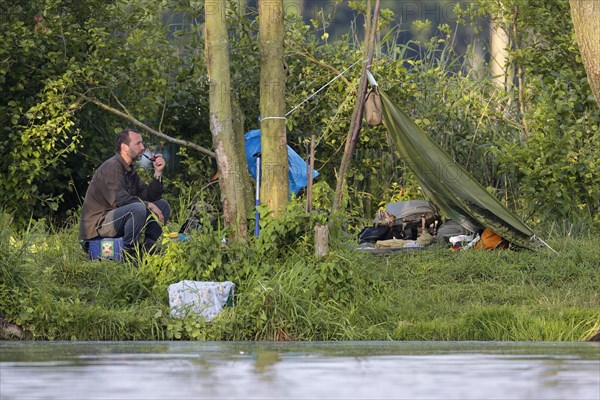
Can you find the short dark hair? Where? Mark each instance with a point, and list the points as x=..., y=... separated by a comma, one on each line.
x=122, y=137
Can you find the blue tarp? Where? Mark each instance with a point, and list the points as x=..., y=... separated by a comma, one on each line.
x=297, y=166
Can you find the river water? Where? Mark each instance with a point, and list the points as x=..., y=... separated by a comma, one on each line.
x=299, y=370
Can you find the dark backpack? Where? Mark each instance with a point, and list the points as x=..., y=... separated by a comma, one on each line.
x=372, y=234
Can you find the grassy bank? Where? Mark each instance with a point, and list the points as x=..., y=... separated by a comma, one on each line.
x=49, y=290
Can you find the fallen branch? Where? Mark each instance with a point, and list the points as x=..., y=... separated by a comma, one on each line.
x=145, y=127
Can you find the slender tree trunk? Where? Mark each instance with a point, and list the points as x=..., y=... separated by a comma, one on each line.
x=274, y=183
x=232, y=168
x=499, y=65
x=520, y=75
x=586, y=22
x=240, y=147
x=357, y=114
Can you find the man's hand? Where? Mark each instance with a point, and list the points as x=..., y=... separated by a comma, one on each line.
x=152, y=207
x=159, y=164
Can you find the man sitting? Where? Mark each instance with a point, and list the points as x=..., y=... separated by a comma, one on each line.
x=118, y=202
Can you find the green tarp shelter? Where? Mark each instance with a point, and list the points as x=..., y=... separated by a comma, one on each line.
x=448, y=184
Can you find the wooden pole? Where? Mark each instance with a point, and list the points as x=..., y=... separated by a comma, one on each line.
x=309, y=177
x=321, y=240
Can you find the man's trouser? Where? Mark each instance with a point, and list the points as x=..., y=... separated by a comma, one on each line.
x=128, y=222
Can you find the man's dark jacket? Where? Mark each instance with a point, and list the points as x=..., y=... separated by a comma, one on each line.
x=114, y=184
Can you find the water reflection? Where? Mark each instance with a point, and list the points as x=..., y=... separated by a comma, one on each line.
x=185, y=370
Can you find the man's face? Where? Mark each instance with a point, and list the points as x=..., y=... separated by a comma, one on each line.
x=135, y=148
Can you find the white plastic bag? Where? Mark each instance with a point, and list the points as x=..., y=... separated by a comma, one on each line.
x=205, y=299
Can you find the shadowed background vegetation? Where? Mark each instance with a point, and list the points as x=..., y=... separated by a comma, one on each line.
x=533, y=143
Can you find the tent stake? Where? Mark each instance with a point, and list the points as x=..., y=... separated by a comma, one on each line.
x=545, y=244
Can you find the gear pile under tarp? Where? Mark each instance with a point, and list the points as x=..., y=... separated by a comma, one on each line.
x=448, y=184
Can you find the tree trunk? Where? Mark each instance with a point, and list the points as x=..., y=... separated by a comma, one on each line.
x=357, y=114
x=274, y=182
x=232, y=168
x=586, y=22
x=520, y=74
x=240, y=143
x=499, y=65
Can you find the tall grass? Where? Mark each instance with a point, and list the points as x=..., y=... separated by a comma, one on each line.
x=51, y=290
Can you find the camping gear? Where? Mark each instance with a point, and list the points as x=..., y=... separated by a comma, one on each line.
x=384, y=218
x=204, y=299
x=413, y=217
x=398, y=244
x=297, y=166
x=449, y=185
x=372, y=234
x=401, y=220
x=105, y=248
x=257, y=197
x=454, y=240
x=449, y=229
x=490, y=240
x=373, y=108
x=425, y=239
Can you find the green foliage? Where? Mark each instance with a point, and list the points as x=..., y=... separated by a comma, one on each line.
x=502, y=323
x=551, y=157
x=127, y=56
x=51, y=290
x=146, y=59
x=539, y=153
x=199, y=258
x=207, y=255
x=291, y=231
x=36, y=113
x=557, y=166
x=48, y=288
